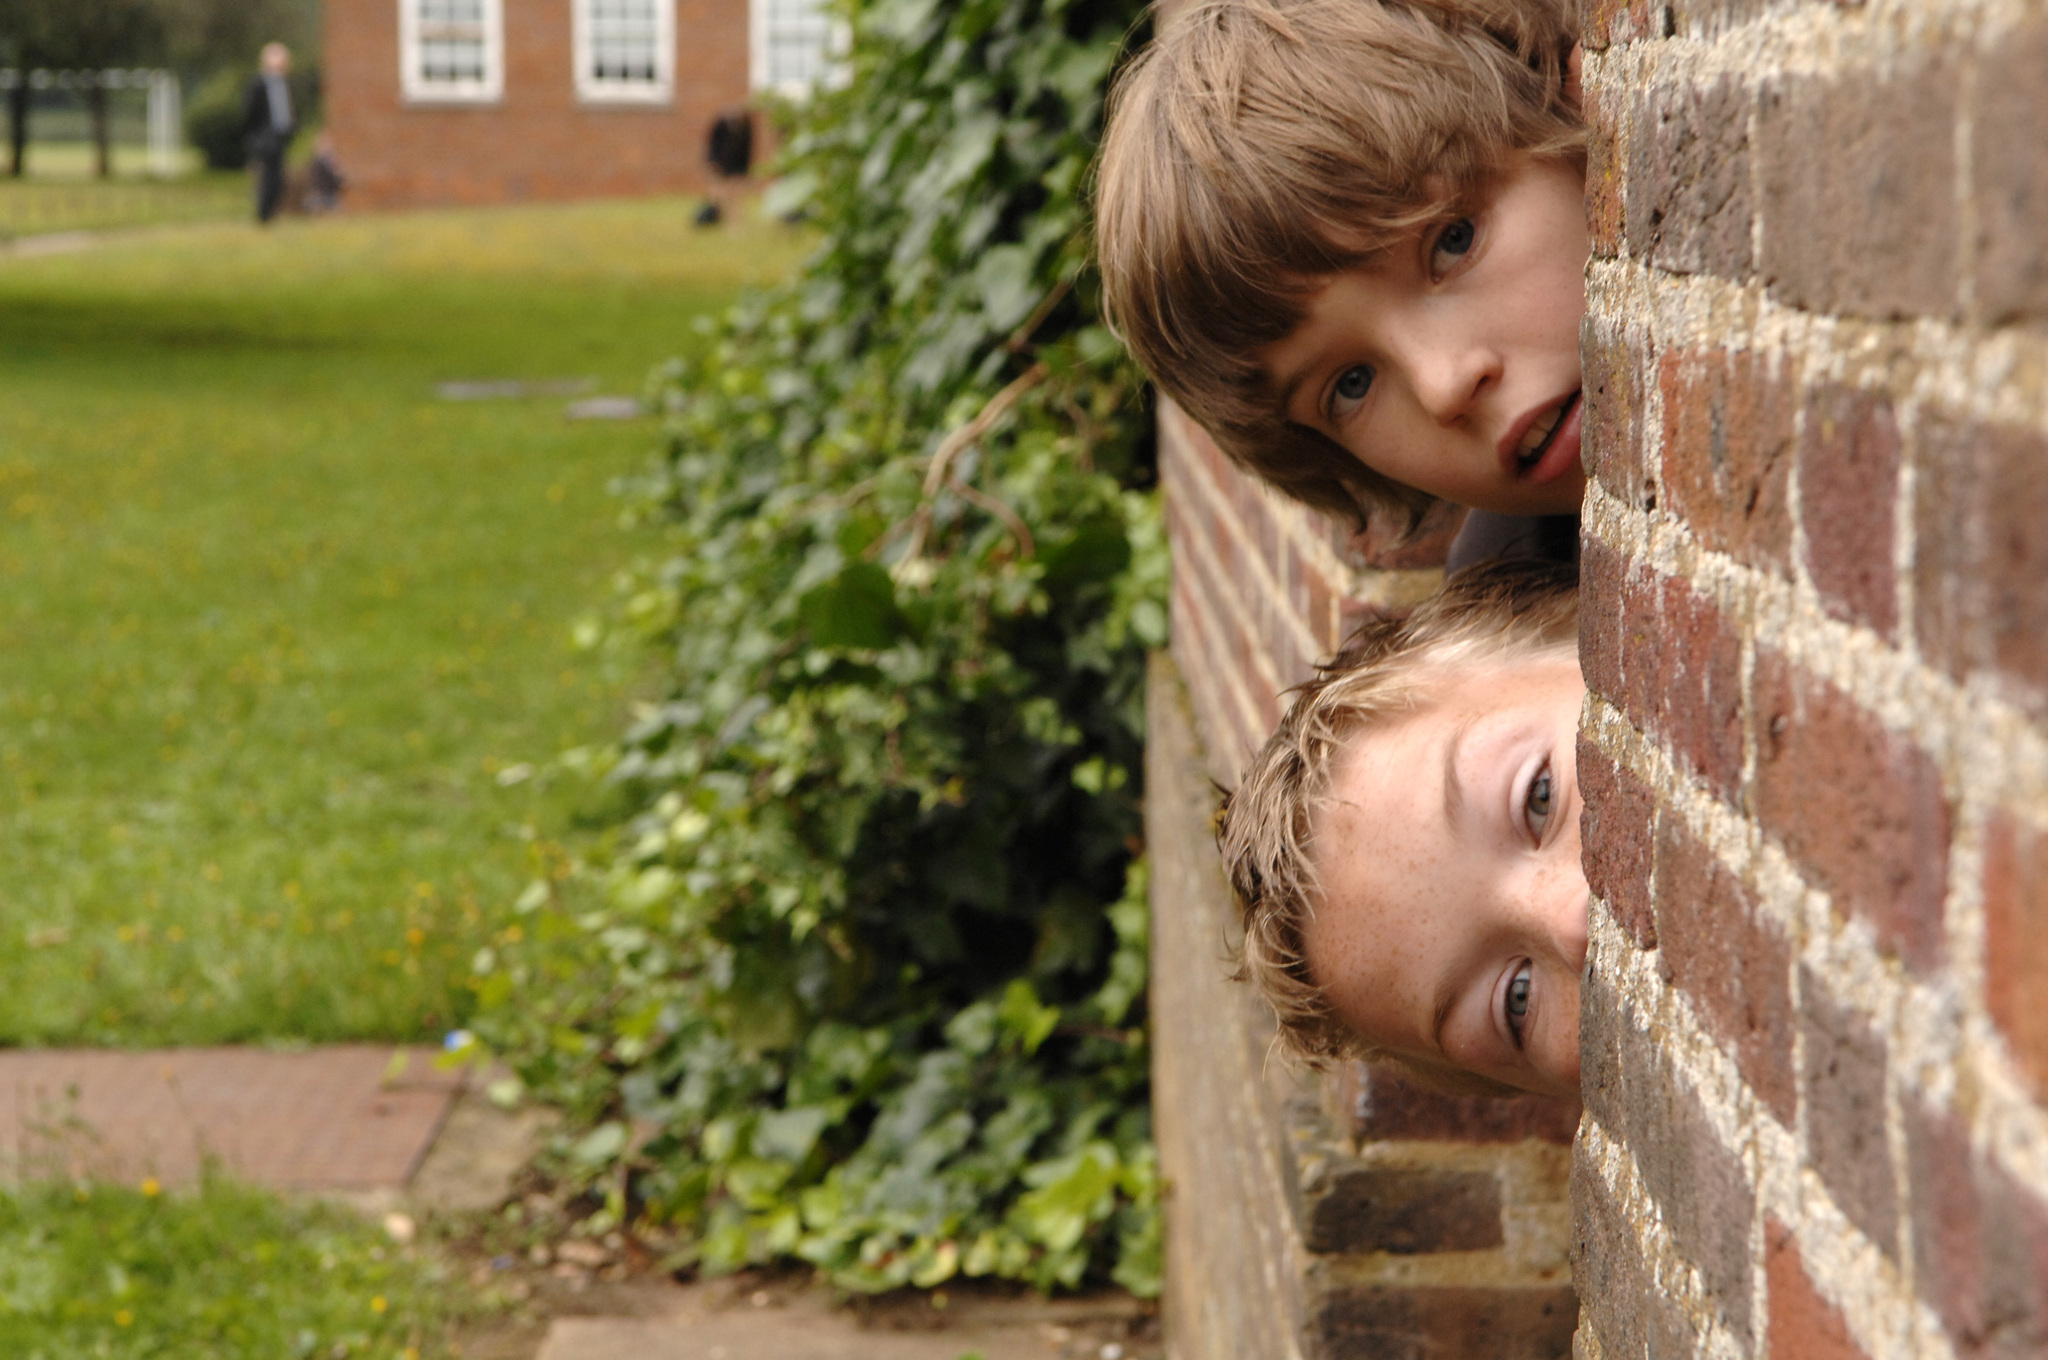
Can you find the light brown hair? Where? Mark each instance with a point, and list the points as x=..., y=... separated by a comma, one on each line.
x=1259, y=146
x=1495, y=614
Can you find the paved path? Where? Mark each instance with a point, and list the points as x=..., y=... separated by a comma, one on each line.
x=705, y=1322
x=343, y=1118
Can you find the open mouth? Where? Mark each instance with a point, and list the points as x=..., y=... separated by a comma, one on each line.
x=1542, y=433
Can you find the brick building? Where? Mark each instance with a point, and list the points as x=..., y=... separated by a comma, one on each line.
x=1815, y=758
x=493, y=101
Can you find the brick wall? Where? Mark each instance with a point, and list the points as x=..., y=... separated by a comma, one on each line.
x=1345, y=1216
x=1816, y=630
x=538, y=142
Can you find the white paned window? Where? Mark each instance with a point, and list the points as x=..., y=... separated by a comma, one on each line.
x=452, y=50
x=794, y=45
x=625, y=50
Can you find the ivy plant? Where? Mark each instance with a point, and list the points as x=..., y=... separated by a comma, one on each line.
x=857, y=974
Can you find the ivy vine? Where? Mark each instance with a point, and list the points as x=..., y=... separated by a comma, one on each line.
x=857, y=976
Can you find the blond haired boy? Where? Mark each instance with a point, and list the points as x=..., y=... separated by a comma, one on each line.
x=1405, y=849
x=1348, y=237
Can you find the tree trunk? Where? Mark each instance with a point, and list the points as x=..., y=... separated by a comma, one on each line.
x=17, y=125
x=102, y=136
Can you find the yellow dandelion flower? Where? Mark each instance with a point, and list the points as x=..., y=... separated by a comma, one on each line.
x=123, y=1318
x=152, y=1187
x=379, y=1304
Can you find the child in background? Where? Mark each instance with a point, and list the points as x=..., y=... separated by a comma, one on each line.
x=1348, y=237
x=1405, y=849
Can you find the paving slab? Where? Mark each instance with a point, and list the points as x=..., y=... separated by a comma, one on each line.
x=703, y=1323
x=346, y=1118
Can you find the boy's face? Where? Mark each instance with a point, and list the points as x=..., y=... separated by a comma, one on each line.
x=1451, y=362
x=1452, y=923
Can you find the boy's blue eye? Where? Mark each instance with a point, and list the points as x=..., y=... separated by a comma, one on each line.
x=1350, y=389
x=1536, y=806
x=1452, y=243
x=1517, y=1001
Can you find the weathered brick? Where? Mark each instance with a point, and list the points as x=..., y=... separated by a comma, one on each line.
x=1859, y=808
x=1947, y=1227
x=1450, y=1324
x=1602, y=1027
x=1698, y=1182
x=1689, y=207
x=1390, y=1106
x=1603, y=174
x=1803, y=1325
x=1631, y=1315
x=2010, y=177
x=1602, y=606
x=1617, y=829
x=1858, y=187
x=2016, y=940
x=1694, y=680
x=1610, y=23
x=1736, y=968
x=1612, y=444
x=1981, y=554
x=1842, y=1082
x=1848, y=495
x=1728, y=451
x=1405, y=1210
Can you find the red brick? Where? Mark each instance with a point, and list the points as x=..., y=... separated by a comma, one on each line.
x=1848, y=495
x=1859, y=808
x=2010, y=177
x=1448, y=1323
x=1404, y=1210
x=1702, y=1193
x=1842, y=1084
x=1803, y=1325
x=1612, y=448
x=1692, y=685
x=2016, y=940
x=1736, y=968
x=1727, y=456
x=1604, y=169
x=539, y=141
x=1390, y=1106
x=1981, y=554
x=1948, y=1217
x=1601, y=572
x=1617, y=829
x=1623, y=1305
x=1858, y=188
x=1689, y=206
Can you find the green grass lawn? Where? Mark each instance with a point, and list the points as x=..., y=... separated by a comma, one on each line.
x=59, y=194
x=129, y=1273
x=280, y=626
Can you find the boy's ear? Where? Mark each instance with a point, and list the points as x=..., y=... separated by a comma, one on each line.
x=1572, y=62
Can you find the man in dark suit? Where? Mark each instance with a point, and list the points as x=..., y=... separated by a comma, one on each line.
x=268, y=123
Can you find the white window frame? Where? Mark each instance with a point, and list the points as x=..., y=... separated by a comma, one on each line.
x=660, y=90
x=762, y=31
x=419, y=90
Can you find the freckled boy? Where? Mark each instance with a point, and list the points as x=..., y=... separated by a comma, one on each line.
x=1405, y=848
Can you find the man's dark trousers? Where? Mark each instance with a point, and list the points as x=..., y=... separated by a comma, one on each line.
x=269, y=182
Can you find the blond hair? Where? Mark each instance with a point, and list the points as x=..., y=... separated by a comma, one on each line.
x=1494, y=614
x=1259, y=146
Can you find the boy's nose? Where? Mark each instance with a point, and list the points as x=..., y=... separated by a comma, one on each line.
x=1450, y=376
